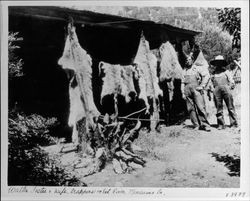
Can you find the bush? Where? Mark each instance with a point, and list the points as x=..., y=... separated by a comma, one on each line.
x=213, y=41
x=28, y=164
x=15, y=64
x=213, y=23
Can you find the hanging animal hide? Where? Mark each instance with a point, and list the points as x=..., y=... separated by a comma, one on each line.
x=201, y=61
x=127, y=73
x=117, y=80
x=112, y=79
x=169, y=66
x=76, y=58
x=139, y=75
x=202, y=64
x=76, y=111
x=147, y=72
x=76, y=108
x=67, y=61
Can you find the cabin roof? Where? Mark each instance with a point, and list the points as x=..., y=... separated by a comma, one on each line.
x=90, y=18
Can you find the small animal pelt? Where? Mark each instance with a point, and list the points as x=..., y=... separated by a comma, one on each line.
x=117, y=80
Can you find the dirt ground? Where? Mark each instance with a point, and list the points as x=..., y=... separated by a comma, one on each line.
x=177, y=156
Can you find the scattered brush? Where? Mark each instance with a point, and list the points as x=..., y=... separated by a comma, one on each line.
x=112, y=142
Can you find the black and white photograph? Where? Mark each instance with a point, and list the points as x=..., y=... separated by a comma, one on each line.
x=125, y=96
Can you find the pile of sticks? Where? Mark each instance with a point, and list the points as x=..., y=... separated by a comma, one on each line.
x=111, y=141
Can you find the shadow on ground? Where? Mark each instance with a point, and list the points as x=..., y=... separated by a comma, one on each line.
x=231, y=162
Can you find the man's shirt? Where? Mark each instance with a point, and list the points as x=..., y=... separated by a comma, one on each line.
x=200, y=72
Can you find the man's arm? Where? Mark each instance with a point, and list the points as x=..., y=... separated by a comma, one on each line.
x=204, y=73
x=210, y=88
x=230, y=79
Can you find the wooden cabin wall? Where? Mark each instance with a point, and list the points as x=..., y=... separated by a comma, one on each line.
x=44, y=87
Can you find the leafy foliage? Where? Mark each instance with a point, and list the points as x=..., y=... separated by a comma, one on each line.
x=14, y=64
x=230, y=18
x=28, y=164
x=30, y=130
x=213, y=40
x=231, y=162
x=183, y=17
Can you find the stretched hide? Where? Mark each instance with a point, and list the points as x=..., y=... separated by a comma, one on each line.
x=169, y=67
x=117, y=79
x=148, y=81
x=81, y=97
x=147, y=72
x=201, y=61
x=77, y=111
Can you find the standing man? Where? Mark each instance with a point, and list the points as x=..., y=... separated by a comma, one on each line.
x=194, y=81
x=223, y=83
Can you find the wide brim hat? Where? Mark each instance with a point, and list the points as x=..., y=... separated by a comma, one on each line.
x=219, y=61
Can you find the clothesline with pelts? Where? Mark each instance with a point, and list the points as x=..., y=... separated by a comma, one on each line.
x=128, y=117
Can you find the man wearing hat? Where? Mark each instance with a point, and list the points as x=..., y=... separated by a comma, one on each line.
x=194, y=81
x=223, y=83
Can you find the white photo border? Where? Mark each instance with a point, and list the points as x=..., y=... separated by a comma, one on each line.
x=166, y=193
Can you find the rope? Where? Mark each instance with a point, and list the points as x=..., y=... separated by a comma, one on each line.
x=134, y=113
x=136, y=119
x=141, y=119
x=114, y=22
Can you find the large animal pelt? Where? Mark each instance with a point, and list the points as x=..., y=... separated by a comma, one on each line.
x=201, y=61
x=76, y=110
x=202, y=64
x=169, y=67
x=128, y=81
x=76, y=58
x=117, y=80
x=147, y=72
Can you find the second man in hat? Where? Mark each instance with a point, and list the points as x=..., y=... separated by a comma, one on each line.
x=223, y=84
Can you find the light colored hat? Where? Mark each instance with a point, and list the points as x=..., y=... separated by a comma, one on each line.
x=219, y=61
